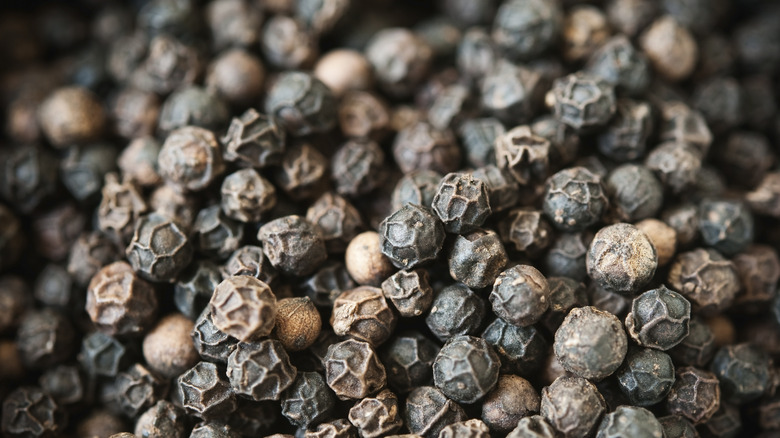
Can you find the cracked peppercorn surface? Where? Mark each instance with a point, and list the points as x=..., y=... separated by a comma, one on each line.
x=591, y=343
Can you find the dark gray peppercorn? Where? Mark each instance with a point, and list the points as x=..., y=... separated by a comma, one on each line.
x=119, y=302
x=420, y=146
x=340, y=428
x=302, y=103
x=567, y=256
x=630, y=421
x=363, y=314
x=619, y=63
x=90, y=252
x=287, y=44
x=520, y=295
x=476, y=53
x=621, y=259
x=28, y=177
x=456, y=310
x=521, y=349
x=524, y=29
x=193, y=106
x=243, y=307
x=204, y=393
x=452, y=107
x=164, y=419
x=625, y=137
x=363, y=115
x=193, y=290
x=746, y=158
x=428, y=411
x=247, y=196
x=583, y=101
x=82, y=169
x=293, y=245
x=249, y=260
x=590, y=343
x=706, y=279
x=119, y=208
x=659, y=319
x=676, y=164
x=308, y=400
x=634, y=192
x=677, y=426
x=523, y=154
x=400, y=58
x=64, y=383
x=478, y=137
x=646, y=376
x=376, y=416
x=759, y=270
x=260, y=370
x=303, y=172
x=684, y=219
x=574, y=199
x=511, y=93
x=408, y=359
x=466, y=368
x=411, y=236
x=215, y=234
x=511, y=400
x=565, y=294
x=190, y=158
x=29, y=412
x=503, y=190
x=743, y=371
x=357, y=167
x=212, y=344
x=353, y=370
x=461, y=202
x=338, y=220
x=102, y=355
x=137, y=389
x=698, y=347
x=695, y=395
x=476, y=258
x=534, y=426
x=159, y=249
x=573, y=406
x=409, y=291
x=213, y=429
x=254, y=139
x=726, y=423
x=473, y=428
x=726, y=226
x=526, y=230
x=416, y=187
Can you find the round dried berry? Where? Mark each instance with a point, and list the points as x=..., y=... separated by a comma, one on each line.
x=120, y=303
x=512, y=93
x=534, y=426
x=759, y=270
x=400, y=58
x=408, y=359
x=254, y=139
x=308, y=400
x=363, y=313
x=249, y=260
x=325, y=285
x=162, y=419
x=526, y=230
x=590, y=343
x=102, y=355
x=30, y=412
x=260, y=370
x=524, y=29
x=676, y=164
x=695, y=395
x=697, y=348
x=193, y=290
x=243, y=307
x=298, y=323
x=461, y=202
x=524, y=155
x=357, y=167
x=619, y=63
x=365, y=261
x=353, y=370
x=573, y=406
x=726, y=226
x=411, y=236
x=333, y=429
x=676, y=426
x=646, y=377
x=71, y=115
x=475, y=259
x=707, y=279
x=659, y=319
x=190, y=158
x=567, y=256
x=293, y=245
x=428, y=411
x=247, y=196
x=520, y=295
x=478, y=137
x=743, y=371
x=138, y=389
x=574, y=199
x=338, y=220
x=167, y=348
x=583, y=100
x=456, y=310
x=621, y=259
x=630, y=421
x=215, y=234
x=409, y=291
x=159, y=249
x=420, y=146
x=302, y=103
x=466, y=368
x=416, y=187
x=212, y=344
x=634, y=192
x=204, y=393
x=521, y=349
x=503, y=190
x=45, y=338
x=512, y=399
x=376, y=416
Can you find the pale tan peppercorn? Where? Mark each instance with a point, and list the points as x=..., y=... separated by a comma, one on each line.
x=298, y=323
x=365, y=262
x=722, y=329
x=662, y=236
x=344, y=70
x=168, y=348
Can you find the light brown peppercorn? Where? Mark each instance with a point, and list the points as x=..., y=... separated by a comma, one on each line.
x=671, y=48
x=365, y=262
x=71, y=115
x=237, y=76
x=662, y=236
x=243, y=307
x=298, y=323
x=364, y=314
x=168, y=349
x=344, y=70
x=119, y=302
x=584, y=30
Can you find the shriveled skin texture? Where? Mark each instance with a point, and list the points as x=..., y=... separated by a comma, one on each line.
x=590, y=343
x=428, y=411
x=376, y=416
x=364, y=314
x=409, y=291
x=573, y=406
x=621, y=258
x=705, y=278
x=243, y=307
x=461, y=202
x=512, y=399
x=477, y=258
x=353, y=370
x=520, y=295
x=574, y=199
x=695, y=395
x=630, y=421
x=466, y=368
x=659, y=318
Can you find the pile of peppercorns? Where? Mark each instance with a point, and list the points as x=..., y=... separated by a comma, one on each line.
x=345, y=218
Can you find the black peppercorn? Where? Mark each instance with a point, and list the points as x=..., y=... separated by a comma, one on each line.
x=456, y=310
x=119, y=302
x=236, y=76
x=30, y=412
x=287, y=44
x=705, y=278
x=254, y=139
x=476, y=53
x=621, y=259
x=164, y=419
x=121, y=205
x=302, y=103
x=743, y=371
x=303, y=172
x=630, y=421
x=524, y=29
x=476, y=258
x=357, y=167
x=102, y=355
x=416, y=187
x=408, y=359
x=634, y=192
x=159, y=249
x=585, y=29
x=193, y=290
x=243, y=307
x=247, y=196
x=249, y=260
x=659, y=319
x=590, y=343
x=64, y=384
x=135, y=114
x=376, y=416
x=503, y=190
x=333, y=429
x=428, y=411
x=574, y=199
x=520, y=295
x=215, y=234
x=260, y=370
x=88, y=254
x=512, y=399
x=213, y=429
x=363, y=314
x=325, y=285
x=82, y=169
x=204, y=393
x=168, y=64
x=211, y=343
x=677, y=426
x=28, y=177
x=308, y=400
x=695, y=395
x=338, y=220
x=420, y=146
x=466, y=368
x=511, y=93
x=293, y=245
x=400, y=59
x=583, y=101
x=192, y=106
x=534, y=426
x=523, y=154
x=411, y=236
x=55, y=230
x=353, y=370
x=363, y=115
x=100, y=423
x=726, y=226
x=521, y=349
x=137, y=389
x=697, y=348
x=726, y=423
x=758, y=268
x=190, y=158
x=573, y=406
x=646, y=376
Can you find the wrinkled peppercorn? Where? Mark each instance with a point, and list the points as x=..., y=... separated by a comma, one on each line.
x=520, y=295
x=45, y=337
x=162, y=419
x=408, y=359
x=293, y=245
x=159, y=248
x=29, y=412
x=416, y=187
x=353, y=370
x=583, y=101
x=743, y=372
x=629, y=421
x=476, y=258
x=420, y=146
x=249, y=260
x=260, y=370
x=705, y=278
x=119, y=302
x=695, y=395
x=308, y=400
x=659, y=318
x=102, y=355
x=190, y=158
x=512, y=399
x=621, y=259
x=212, y=344
x=590, y=343
x=400, y=59
x=411, y=236
x=28, y=177
x=524, y=29
x=339, y=428
x=376, y=416
x=726, y=226
x=503, y=190
x=193, y=290
x=243, y=307
x=363, y=314
x=574, y=199
x=204, y=393
x=521, y=349
x=247, y=196
x=456, y=310
x=646, y=376
x=573, y=406
x=192, y=106
x=428, y=411
x=697, y=348
x=302, y=103
x=466, y=368
x=338, y=220
x=137, y=389
x=511, y=93
x=523, y=154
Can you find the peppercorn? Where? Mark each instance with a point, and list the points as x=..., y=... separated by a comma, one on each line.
x=697, y=348
x=169, y=63
x=670, y=47
x=365, y=262
x=236, y=76
x=677, y=426
x=630, y=421
x=565, y=294
x=338, y=220
x=471, y=428
x=476, y=53
x=646, y=376
x=339, y=428
x=523, y=29
x=297, y=323
x=428, y=411
x=743, y=372
x=159, y=248
x=726, y=226
x=461, y=202
x=325, y=285
x=167, y=347
x=662, y=236
x=71, y=115
x=758, y=268
x=400, y=58
x=363, y=115
x=411, y=236
x=64, y=384
x=119, y=302
x=420, y=146
x=416, y=187
x=456, y=310
x=100, y=423
x=215, y=234
x=344, y=71
x=137, y=389
x=534, y=426
x=526, y=229
x=573, y=406
x=511, y=93
x=243, y=307
x=520, y=295
x=303, y=172
x=193, y=290
x=408, y=359
x=164, y=419
x=102, y=355
x=363, y=313
x=55, y=230
x=249, y=260
x=135, y=114
x=574, y=199
x=705, y=278
x=621, y=259
x=695, y=395
x=302, y=103
x=353, y=370
x=190, y=158
x=724, y=424
x=82, y=169
x=15, y=299
x=211, y=343
x=213, y=429
x=590, y=343
x=512, y=399
x=357, y=167
x=720, y=102
x=583, y=101
x=192, y=106
x=28, y=177
x=376, y=416
x=308, y=400
x=659, y=319
x=287, y=44
x=503, y=190
x=121, y=205
x=204, y=393
x=260, y=370
x=29, y=412
x=293, y=245
x=11, y=238
x=233, y=23
x=523, y=154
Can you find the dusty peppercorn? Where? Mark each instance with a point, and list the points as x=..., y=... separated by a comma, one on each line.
x=512, y=399
x=646, y=376
x=523, y=154
x=473, y=428
x=363, y=115
x=521, y=349
x=523, y=29
x=583, y=101
x=659, y=318
x=164, y=419
x=503, y=190
x=88, y=254
x=71, y=115
x=416, y=187
x=353, y=370
x=461, y=202
x=726, y=226
x=420, y=146
x=466, y=368
x=476, y=258
x=634, y=192
x=758, y=268
x=29, y=412
x=534, y=426
x=408, y=359
x=338, y=220
x=254, y=139
x=357, y=167
x=303, y=172
x=260, y=370
x=237, y=77
x=137, y=389
x=590, y=343
x=364, y=260
x=705, y=278
x=297, y=323
x=743, y=371
x=428, y=411
x=526, y=230
x=213, y=429
x=287, y=44
x=400, y=59
x=364, y=314
x=677, y=426
x=520, y=295
x=192, y=106
x=159, y=249
x=695, y=395
x=697, y=348
x=249, y=260
x=212, y=344
x=574, y=199
x=293, y=245
x=630, y=421
x=204, y=393
x=565, y=294
x=573, y=406
x=168, y=349
x=247, y=196
x=411, y=236
x=456, y=310
x=302, y=103
x=621, y=259
x=119, y=302
x=190, y=158
x=308, y=400
x=511, y=93
x=670, y=47
x=376, y=416
x=28, y=177
x=243, y=307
